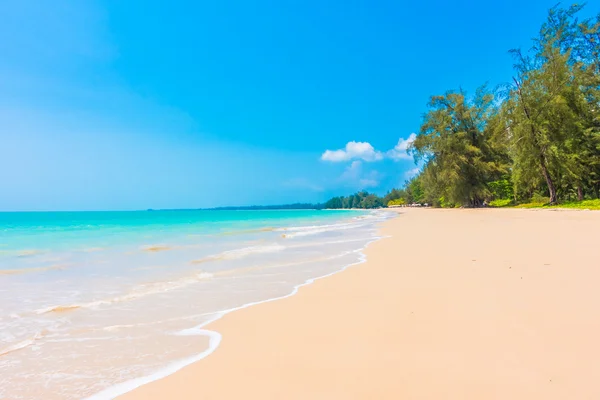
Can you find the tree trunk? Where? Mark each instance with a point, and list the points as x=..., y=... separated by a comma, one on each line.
x=551, y=188
x=579, y=193
x=534, y=138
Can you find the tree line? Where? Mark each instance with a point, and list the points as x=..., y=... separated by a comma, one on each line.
x=536, y=138
x=361, y=199
x=412, y=192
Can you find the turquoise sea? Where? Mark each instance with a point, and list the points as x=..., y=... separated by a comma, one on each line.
x=96, y=303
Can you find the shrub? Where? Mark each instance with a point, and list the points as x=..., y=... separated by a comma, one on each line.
x=501, y=203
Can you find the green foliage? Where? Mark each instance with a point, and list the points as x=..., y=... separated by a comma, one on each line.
x=551, y=113
x=396, y=202
x=501, y=189
x=294, y=206
x=414, y=191
x=395, y=194
x=540, y=199
x=581, y=205
x=536, y=141
x=454, y=143
x=501, y=203
x=444, y=203
x=358, y=200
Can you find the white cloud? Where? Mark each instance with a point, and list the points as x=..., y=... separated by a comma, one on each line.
x=366, y=152
x=356, y=154
x=353, y=176
x=399, y=152
x=412, y=172
x=353, y=151
x=352, y=171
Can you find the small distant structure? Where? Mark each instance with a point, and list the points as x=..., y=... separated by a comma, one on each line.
x=401, y=204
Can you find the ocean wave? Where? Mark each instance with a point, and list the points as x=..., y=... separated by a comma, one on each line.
x=156, y=248
x=138, y=292
x=22, y=253
x=165, y=286
x=23, y=344
x=213, y=336
x=147, y=289
x=113, y=328
x=241, y=253
x=28, y=253
x=296, y=231
x=33, y=269
x=246, y=231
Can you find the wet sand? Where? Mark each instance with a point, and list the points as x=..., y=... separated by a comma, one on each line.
x=455, y=304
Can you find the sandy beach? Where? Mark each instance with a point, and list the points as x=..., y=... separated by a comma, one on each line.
x=453, y=304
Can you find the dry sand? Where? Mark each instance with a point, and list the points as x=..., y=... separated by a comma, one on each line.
x=456, y=304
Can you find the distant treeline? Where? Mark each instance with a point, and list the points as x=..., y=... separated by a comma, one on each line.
x=411, y=193
x=359, y=200
x=295, y=206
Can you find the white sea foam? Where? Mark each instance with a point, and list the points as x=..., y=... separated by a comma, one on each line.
x=165, y=286
x=246, y=251
x=214, y=337
x=22, y=344
x=138, y=292
x=294, y=231
x=119, y=333
x=118, y=327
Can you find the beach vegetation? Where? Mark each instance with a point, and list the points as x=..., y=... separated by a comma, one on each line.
x=531, y=142
x=534, y=140
x=593, y=204
x=396, y=202
x=362, y=199
x=501, y=203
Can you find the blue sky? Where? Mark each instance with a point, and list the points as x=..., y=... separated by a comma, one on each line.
x=152, y=104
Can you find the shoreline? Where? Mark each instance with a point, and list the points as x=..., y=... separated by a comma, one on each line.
x=122, y=389
x=434, y=326
x=124, y=316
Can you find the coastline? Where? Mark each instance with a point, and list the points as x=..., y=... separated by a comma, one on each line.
x=215, y=337
x=496, y=311
x=133, y=311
